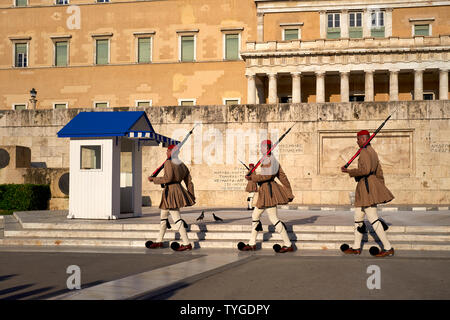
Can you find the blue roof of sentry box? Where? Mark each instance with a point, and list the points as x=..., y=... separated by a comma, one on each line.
x=113, y=124
x=102, y=124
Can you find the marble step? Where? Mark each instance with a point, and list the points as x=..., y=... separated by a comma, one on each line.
x=219, y=227
x=215, y=235
x=230, y=244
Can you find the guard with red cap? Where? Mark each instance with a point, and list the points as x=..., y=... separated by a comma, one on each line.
x=174, y=197
x=370, y=191
x=270, y=195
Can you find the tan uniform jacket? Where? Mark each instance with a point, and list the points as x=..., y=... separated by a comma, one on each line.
x=271, y=193
x=251, y=186
x=175, y=196
x=369, y=168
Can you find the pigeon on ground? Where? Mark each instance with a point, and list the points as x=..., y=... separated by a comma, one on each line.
x=217, y=218
x=201, y=216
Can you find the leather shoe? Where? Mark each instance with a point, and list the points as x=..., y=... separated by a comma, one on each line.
x=184, y=247
x=248, y=247
x=286, y=249
x=385, y=253
x=156, y=245
x=352, y=251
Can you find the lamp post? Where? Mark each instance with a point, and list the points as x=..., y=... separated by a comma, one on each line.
x=33, y=99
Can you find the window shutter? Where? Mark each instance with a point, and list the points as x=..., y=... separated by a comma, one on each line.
x=232, y=46
x=144, y=50
x=290, y=34
x=187, y=48
x=102, y=52
x=61, y=53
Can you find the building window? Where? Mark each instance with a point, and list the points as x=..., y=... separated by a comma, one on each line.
x=21, y=3
x=102, y=0
x=102, y=51
x=187, y=48
x=21, y=55
x=62, y=2
x=144, y=50
x=355, y=25
x=19, y=106
x=101, y=104
x=356, y=97
x=334, y=26
x=232, y=46
x=290, y=34
x=421, y=30
x=61, y=56
x=428, y=96
x=90, y=157
x=231, y=101
x=60, y=105
x=186, y=102
x=143, y=103
x=377, y=29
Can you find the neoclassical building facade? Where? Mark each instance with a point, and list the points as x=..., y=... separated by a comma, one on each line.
x=356, y=51
x=115, y=53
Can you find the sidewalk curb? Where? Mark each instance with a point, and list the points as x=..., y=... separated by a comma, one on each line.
x=350, y=208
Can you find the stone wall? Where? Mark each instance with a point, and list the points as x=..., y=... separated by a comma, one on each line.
x=414, y=147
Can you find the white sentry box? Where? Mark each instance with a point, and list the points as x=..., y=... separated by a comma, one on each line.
x=99, y=141
x=98, y=190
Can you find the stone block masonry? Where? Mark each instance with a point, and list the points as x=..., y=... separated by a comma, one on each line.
x=413, y=147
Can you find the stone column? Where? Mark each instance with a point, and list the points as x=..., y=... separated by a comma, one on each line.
x=345, y=95
x=323, y=24
x=418, y=84
x=388, y=23
x=393, y=85
x=344, y=24
x=369, y=90
x=273, y=96
x=251, y=89
x=320, y=86
x=296, y=87
x=367, y=23
x=443, y=84
x=260, y=27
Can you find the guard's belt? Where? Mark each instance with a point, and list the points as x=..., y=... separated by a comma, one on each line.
x=270, y=184
x=357, y=179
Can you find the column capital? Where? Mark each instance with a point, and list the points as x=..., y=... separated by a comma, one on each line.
x=260, y=14
x=344, y=72
x=250, y=76
x=419, y=70
x=443, y=70
x=394, y=71
x=272, y=74
x=369, y=71
x=296, y=74
x=320, y=73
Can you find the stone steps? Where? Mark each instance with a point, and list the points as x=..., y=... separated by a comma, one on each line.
x=222, y=227
x=230, y=244
x=217, y=235
x=210, y=235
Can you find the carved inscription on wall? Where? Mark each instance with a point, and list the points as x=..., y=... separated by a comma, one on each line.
x=394, y=148
x=440, y=147
x=231, y=179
